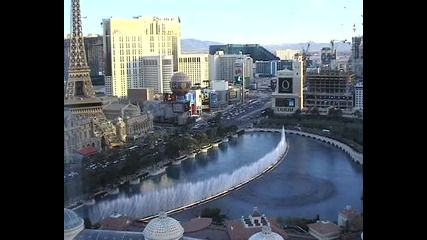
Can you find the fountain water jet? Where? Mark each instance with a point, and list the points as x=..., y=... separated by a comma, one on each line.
x=183, y=194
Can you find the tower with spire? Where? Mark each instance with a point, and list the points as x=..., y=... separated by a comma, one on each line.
x=79, y=95
x=79, y=91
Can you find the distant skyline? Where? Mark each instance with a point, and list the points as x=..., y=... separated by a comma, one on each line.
x=236, y=21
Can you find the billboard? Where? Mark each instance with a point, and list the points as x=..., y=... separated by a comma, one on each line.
x=233, y=94
x=205, y=99
x=285, y=85
x=193, y=108
x=214, y=101
x=285, y=102
x=238, y=72
x=190, y=97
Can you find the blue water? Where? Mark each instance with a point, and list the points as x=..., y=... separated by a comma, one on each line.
x=314, y=178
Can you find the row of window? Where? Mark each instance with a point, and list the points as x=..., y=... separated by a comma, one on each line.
x=73, y=140
x=136, y=39
x=190, y=60
x=128, y=38
x=328, y=90
x=285, y=109
x=329, y=103
x=328, y=97
x=140, y=59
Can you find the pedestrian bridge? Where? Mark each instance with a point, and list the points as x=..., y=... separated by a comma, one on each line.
x=356, y=156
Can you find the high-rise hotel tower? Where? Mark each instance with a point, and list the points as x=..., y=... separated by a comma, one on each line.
x=196, y=66
x=127, y=41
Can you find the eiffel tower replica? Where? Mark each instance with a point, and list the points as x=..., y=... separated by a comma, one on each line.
x=80, y=96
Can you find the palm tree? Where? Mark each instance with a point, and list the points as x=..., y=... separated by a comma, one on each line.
x=201, y=139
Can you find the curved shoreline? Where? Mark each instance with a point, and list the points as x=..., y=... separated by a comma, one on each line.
x=143, y=172
x=354, y=155
x=221, y=194
x=216, y=196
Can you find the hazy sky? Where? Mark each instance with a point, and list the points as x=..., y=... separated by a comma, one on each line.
x=236, y=21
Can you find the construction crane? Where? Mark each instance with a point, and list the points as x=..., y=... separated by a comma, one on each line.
x=334, y=50
x=305, y=57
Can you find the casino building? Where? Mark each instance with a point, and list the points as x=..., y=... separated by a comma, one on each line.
x=288, y=95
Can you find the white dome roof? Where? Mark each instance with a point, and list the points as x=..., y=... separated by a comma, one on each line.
x=266, y=234
x=163, y=228
x=71, y=220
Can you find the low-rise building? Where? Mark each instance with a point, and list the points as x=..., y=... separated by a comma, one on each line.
x=130, y=122
x=116, y=222
x=78, y=134
x=324, y=230
x=168, y=111
x=346, y=214
x=252, y=225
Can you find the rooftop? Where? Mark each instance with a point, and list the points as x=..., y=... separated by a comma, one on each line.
x=266, y=234
x=118, y=223
x=211, y=232
x=349, y=212
x=108, y=235
x=71, y=220
x=114, y=106
x=238, y=231
x=196, y=224
x=324, y=227
x=86, y=151
x=256, y=213
x=88, y=234
x=163, y=227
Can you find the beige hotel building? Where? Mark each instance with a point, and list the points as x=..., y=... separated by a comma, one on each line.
x=286, y=54
x=196, y=66
x=127, y=41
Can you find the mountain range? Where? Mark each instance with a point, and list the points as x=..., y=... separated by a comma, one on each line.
x=190, y=45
